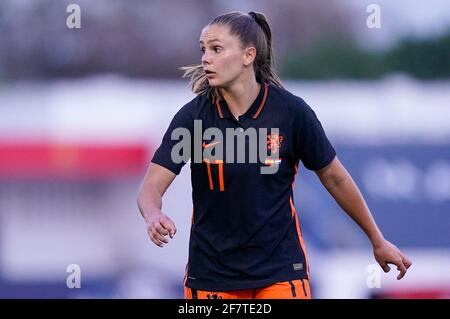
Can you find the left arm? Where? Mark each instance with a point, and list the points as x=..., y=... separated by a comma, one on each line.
x=341, y=186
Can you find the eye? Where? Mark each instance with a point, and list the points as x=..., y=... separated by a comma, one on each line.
x=217, y=49
x=202, y=50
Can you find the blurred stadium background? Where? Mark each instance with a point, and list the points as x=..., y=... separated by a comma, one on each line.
x=82, y=111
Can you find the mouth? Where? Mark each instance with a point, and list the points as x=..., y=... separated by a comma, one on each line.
x=208, y=72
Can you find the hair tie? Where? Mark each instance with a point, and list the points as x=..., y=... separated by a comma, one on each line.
x=253, y=15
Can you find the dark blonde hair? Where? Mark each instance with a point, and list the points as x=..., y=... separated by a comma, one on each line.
x=251, y=29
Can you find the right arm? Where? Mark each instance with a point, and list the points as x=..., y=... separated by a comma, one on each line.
x=160, y=174
x=156, y=181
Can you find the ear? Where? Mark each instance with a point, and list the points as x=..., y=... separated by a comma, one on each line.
x=249, y=55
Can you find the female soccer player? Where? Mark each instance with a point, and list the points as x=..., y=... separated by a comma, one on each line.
x=245, y=239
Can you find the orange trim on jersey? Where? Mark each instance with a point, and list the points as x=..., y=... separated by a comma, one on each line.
x=187, y=291
x=262, y=102
x=297, y=224
x=295, y=175
x=208, y=169
x=219, y=108
x=261, y=105
x=290, y=199
x=186, y=273
x=300, y=237
x=292, y=206
x=221, y=180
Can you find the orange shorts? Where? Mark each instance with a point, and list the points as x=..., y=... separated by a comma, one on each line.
x=293, y=289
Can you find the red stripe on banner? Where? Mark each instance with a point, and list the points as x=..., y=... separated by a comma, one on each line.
x=31, y=160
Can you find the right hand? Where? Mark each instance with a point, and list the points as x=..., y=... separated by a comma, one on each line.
x=387, y=253
x=158, y=227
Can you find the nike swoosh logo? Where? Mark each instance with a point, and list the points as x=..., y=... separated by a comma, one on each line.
x=209, y=144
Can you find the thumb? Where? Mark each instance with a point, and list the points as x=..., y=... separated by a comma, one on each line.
x=169, y=225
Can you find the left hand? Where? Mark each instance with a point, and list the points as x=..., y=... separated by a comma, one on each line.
x=386, y=253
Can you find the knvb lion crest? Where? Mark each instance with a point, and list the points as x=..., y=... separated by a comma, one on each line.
x=274, y=142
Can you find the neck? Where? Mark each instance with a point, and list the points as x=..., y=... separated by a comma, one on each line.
x=240, y=95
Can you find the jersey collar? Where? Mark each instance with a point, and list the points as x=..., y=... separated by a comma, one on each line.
x=254, y=110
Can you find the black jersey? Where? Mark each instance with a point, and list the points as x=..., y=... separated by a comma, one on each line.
x=245, y=232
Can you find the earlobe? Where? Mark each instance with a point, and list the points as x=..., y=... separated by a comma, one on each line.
x=249, y=56
x=248, y=61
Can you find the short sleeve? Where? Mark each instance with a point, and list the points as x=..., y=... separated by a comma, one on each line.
x=163, y=155
x=312, y=145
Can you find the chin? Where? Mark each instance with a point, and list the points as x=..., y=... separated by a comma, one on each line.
x=214, y=83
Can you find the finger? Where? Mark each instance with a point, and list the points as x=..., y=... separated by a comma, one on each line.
x=406, y=262
x=151, y=231
x=401, y=267
x=385, y=267
x=169, y=226
x=161, y=230
x=155, y=241
x=160, y=237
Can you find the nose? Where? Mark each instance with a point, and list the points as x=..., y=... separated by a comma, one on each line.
x=205, y=58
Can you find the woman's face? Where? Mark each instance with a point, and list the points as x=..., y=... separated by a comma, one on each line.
x=223, y=57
